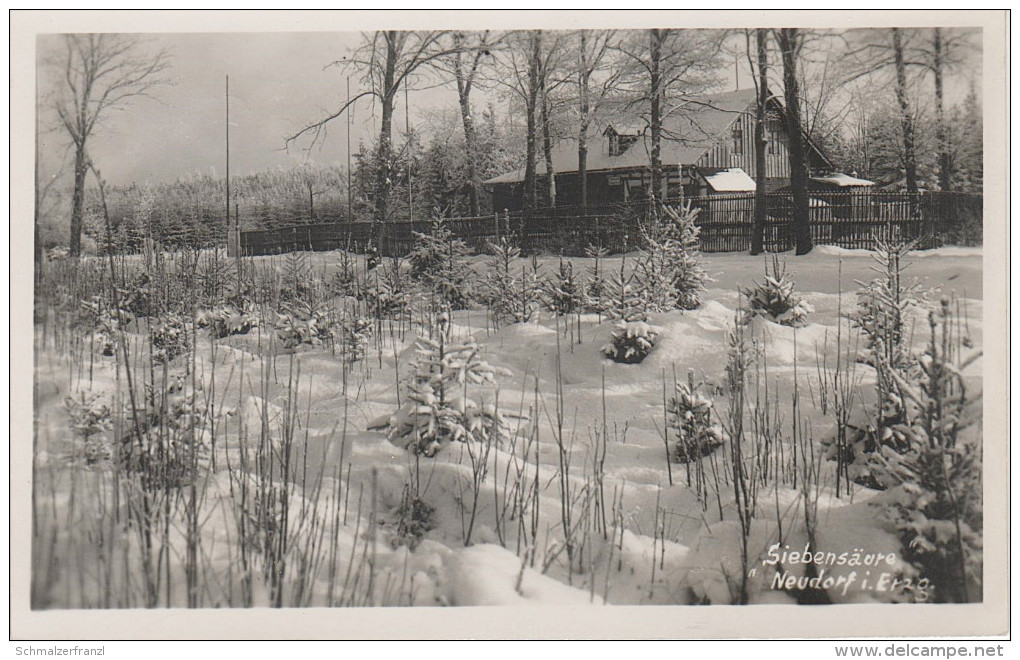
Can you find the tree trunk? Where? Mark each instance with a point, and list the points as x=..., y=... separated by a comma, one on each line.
x=550, y=171
x=469, y=153
x=78, y=198
x=464, y=84
x=789, y=44
x=534, y=65
x=582, y=167
x=656, y=38
x=384, y=154
x=906, y=118
x=760, y=143
x=944, y=163
x=582, y=129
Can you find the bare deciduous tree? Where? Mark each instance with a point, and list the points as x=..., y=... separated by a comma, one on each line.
x=760, y=138
x=100, y=72
x=470, y=51
x=665, y=66
x=387, y=60
x=790, y=41
x=945, y=52
x=597, y=80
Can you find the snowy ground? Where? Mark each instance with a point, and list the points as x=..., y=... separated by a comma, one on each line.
x=664, y=547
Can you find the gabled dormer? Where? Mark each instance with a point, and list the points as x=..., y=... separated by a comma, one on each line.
x=620, y=138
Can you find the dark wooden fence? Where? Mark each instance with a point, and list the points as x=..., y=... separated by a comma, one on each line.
x=847, y=219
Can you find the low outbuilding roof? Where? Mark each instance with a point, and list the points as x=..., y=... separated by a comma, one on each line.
x=733, y=179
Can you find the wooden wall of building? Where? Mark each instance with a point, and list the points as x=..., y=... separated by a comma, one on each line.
x=736, y=149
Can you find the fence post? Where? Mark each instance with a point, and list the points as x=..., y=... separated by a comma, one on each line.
x=233, y=241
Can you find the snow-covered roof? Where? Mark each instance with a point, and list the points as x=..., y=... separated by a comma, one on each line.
x=621, y=128
x=731, y=180
x=843, y=180
x=689, y=131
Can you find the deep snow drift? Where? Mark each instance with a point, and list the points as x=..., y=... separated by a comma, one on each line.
x=583, y=429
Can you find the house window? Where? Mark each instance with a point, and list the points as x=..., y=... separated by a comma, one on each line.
x=774, y=135
x=738, y=139
x=614, y=144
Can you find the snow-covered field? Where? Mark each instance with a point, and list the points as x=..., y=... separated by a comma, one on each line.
x=581, y=506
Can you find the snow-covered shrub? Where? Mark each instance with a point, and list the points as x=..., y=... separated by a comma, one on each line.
x=170, y=337
x=415, y=517
x=670, y=275
x=561, y=293
x=136, y=298
x=90, y=418
x=226, y=320
x=439, y=262
x=690, y=416
x=511, y=296
x=939, y=513
x=631, y=342
x=439, y=409
x=97, y=318
x=165, y=441
x=775, y=298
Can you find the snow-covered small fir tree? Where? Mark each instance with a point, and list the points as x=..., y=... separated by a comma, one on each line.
x=594, y=292
x=882, y=308
x=690, y=416
x=305, y=322
x=939, y=513
x=345, y=280
x=509, y=289
x=170, y=337
x=440, y=407
x=670, y=275
x=631, y=342
x=623, y=295
x=439, y=261
x=633, y=338
x=561, y=293
x=90, y=418
x=774, y=298
x=883, y=303
x=226, y=320
x=387, y=291
x=355, y=333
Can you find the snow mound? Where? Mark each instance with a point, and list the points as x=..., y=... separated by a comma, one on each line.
x=487, y=575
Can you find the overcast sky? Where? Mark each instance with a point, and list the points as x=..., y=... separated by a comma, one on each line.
x=279, y=82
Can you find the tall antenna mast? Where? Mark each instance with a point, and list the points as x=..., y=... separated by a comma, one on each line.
x=350, y=218
x=230, y=236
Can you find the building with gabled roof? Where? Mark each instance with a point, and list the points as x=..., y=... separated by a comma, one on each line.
x=707, y=148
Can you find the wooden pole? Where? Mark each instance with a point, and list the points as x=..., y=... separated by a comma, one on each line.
x=407, y=129
x=350, y=217
x=233, y=233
